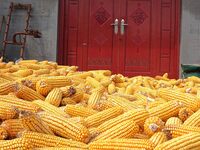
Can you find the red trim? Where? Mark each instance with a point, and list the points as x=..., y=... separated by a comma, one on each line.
x=61, y=24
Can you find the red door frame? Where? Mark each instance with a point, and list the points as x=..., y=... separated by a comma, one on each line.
x=61, y=53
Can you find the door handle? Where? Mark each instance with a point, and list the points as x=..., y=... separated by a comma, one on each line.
x=115, y=24
x=123, y=24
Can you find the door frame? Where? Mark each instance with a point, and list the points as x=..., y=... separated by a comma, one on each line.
x=62, y=25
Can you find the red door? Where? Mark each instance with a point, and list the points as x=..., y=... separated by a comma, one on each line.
x=132, y=37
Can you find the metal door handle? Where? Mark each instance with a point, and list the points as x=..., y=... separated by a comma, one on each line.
x=122, y=26
x=115, y=24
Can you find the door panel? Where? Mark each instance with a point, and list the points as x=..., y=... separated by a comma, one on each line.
x=149, y=45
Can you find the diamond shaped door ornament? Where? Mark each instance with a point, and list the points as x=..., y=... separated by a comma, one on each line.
x=101, y=15
x=139, y=16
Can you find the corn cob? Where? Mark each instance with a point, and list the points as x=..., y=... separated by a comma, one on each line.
x=54, y=97
x=65, y=101
x=95, y=97
x=140, y=136
x=103, y=105
x=32, y=61
x=13, y=127
x=193, y=120
x=15, y=144
x=122, y=85
x=157, y=102
x=105, y=81
x=158, y=138
x=102, y=72
x=125, y=129
x=23, y=73
x=32, y=122
x=43, y=88
x=174, y=121
x=81, y=111
x=138, y=115
x=68, y=91
x=111, y=88
x=49, y=108
x=45, y=140
x=27, y=93
x=179, y=130
x=100, y=117
x=41, y=72
x=166, y=110
x=2, y=80
x=3, y=133
x=185, y=113
x=65, y=128
x=59, y=148
x=7, y=87
x=126, y=96
x=7, y=111
x=94, y=132
x=152, y=125
x=79, y=120
x=117, y=78
x=186, y=142
x=122, y=102
x=9, y=64
x=82, y=75
x=93, y=82
x=121, y=90
x=78, y=96
x=19, y=103
x=188, y=100
x=58, y=81
x=122, y=144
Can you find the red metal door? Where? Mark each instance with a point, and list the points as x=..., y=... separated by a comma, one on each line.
x=148, y=46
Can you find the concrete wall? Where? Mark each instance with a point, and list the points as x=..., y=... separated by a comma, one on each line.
x=44, y=18
x=190, y=32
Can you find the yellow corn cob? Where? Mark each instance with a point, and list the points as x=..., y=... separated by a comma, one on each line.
x=129, y=89
x=68, y=91
x=58, y=81
x=117, y=78
x=140, y=97
x=125, y=129
x=102, y=72
x=186, y=142
x=188, y=100
x=15, y=144
x=3, y=133
x=54, y=73
x=54, y=97
x=13, y=127
x=66, y=128
x=194, y=79
x=121, y=90
x=45, y=140
x=158, y=138
x=105, y=81
x=122, y=85
x=146, y=90
x=82, y=75
x=95, y=97
x=7, y=87
x=65, y=101
x=9, y=64
x=32, y=61
x=174, y=121
x=126, y=96
x=140, y=136
x=111, y=88
x=41, y=72
x=122, y=144
x=19, y=103
x=93, y=82
x=32, y=66
x=23, y=73
x=152, y=125
x=103, y=105
x=78, y=96
x=7, y=111
x=122, y=102
x=79, y=120
x=74, y=110
x=27, y=93
x=138, y=115
x=100, y=117
x=7, y=77
x=2, y=80
x=166, y=110
x=157, y=102
x=179, y=130
x=193, y=120
x=49, y=108
x=185, y=113
x=94, y=132
x=32, y=122
x=43, y=88
x=59, y=148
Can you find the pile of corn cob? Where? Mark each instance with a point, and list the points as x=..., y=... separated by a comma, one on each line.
x=47, y=106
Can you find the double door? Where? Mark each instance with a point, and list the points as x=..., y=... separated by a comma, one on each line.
x=132, y=37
